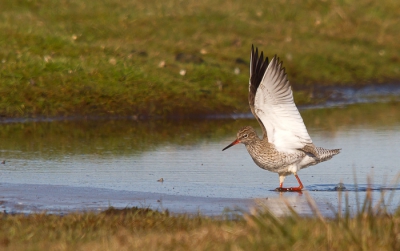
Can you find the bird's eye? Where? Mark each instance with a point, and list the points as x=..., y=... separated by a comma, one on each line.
x=245, y=136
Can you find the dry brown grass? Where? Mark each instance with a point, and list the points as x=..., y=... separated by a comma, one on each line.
x=142, y=229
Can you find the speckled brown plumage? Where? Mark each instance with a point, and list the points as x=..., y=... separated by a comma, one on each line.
x=267, y=157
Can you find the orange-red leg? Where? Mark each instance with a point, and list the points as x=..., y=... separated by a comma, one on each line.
x=289, y=189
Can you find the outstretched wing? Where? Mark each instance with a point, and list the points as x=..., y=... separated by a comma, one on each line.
x=275, y=108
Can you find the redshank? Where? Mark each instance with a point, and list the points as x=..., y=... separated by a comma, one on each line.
x=285, y=147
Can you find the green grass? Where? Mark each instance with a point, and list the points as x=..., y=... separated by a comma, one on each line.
x=102, y=57
x=143, y=229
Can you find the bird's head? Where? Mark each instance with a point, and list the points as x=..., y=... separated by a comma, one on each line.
x=245, y=135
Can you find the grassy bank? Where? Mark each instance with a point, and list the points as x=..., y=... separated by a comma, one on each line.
x=142, y=229
x=125, y=57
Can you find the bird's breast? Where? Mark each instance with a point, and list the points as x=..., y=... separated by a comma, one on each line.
x=267, y=157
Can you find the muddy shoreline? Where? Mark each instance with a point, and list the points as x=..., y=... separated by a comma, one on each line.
x=328, y=96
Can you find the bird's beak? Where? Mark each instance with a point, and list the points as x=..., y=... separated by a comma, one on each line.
x=232, y=144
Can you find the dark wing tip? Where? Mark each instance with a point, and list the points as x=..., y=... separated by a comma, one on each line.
x=258, y=66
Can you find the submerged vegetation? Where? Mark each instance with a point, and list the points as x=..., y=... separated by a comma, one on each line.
x=143, y=229
x=118, y=57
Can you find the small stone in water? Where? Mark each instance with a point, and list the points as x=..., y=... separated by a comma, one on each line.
x=340, y=187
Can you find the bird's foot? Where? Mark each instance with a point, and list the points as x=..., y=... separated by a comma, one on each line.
x=289, y=189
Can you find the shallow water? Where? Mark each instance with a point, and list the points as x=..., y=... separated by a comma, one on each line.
x=90, y=165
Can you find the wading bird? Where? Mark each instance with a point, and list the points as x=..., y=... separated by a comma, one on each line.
x=285, y=147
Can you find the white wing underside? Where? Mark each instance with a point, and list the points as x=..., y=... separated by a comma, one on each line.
x=276, y=109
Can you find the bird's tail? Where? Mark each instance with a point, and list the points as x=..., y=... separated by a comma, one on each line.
x=325, y=154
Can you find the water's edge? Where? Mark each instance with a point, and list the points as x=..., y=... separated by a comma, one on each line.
x=59, y=199
x=333, y=97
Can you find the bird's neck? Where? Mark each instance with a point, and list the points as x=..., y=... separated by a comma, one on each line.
x=255, y=141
